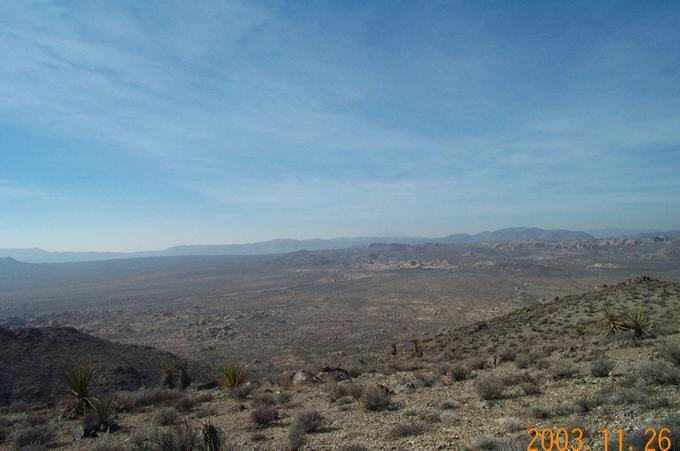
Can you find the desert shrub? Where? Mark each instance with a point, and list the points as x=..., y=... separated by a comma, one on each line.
x=490, y=443
x=530, y=389
x=425, y=379
x=621, y=395
x=586, y=404
x=660, y=373
x=264, y=416
x=185, y=404
x=166, y=417
x=243, y=391
x=601, y=367
x=82, y=381
x=205, y=411
x=35, y=420
x=448, y=404
x=34, y=435
x=355, y=371
x=233, y=376
x=345, y=400
x=408, y=430
x=351, y=389
x=259, y=437
x=671, y=352
x=204, y=397
x=284, y=398
x=375, y=398
x=477, y=363
x=265, y=399
x=489, y=387
x=181, y=437
x=563, y=369
x=639, y=323
x=296, y=438
x=146, y=397
x=309, y=420
x=507, y=355
x=510, y=424
x=541, y=413
x=524, y=360
x=430, y=417
x=212, y=437
x=459, y=373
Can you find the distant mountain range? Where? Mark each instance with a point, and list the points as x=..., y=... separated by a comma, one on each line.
x=36, y=255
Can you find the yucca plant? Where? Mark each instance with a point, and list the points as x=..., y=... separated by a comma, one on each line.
x=611, y=322
x=83, y=380
x=168, y=377
x=184, y=378
x=100, y=416
x=233, y=376
x=212, y=437
x=639, y=322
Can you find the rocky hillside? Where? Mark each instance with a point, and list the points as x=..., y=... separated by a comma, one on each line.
x=34, y=360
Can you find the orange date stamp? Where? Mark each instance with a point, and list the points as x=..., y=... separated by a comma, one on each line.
x=562, y=439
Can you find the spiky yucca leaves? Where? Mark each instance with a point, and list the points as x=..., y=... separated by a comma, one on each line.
x=212, y=437
x=83, y=380
x=184, y=378
x=168, y=379
x=639, y=322
x=233, y=376
x=611, y=322
x=100, y=416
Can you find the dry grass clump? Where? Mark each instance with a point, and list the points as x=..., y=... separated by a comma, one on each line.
x=309, y=420
x=459, y=373
x=659, y=373
x=541, y=413
x=296, y=438
x=563, y=369
x=507, y=355
x=350, y=389
x=375, y=398
x=671, y=352
x=621, y=395
x=205, y=411
x=489, y=387
x=530, y=388
x=185, y=404
x=166, y=417
x=477, y=363
x=449, y=404
x=129, y=402
x=490, y=443
x=601, y=367
x=37, y=436
x=510, y=424
x=264, y=416
x=181, y=437
x=408, y=430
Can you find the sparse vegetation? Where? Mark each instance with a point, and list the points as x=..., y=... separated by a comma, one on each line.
x=601, y=367
x=408, y=430
x=233, y=376
x=309, y=420
x=563, y=369
x=659, y=373
x=181, y=437
x=212, y=437
x=37, y=436
x=296, y=438
x=264, y=416
x=166, y=417
x=375, y=398
x=82, y=381
x=489, y=387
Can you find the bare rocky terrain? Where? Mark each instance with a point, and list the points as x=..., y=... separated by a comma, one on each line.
x=386, y=347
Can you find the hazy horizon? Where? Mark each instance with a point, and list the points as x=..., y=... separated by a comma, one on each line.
x=139, y=126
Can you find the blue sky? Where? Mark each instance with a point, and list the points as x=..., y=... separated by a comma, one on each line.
x=140, y=125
